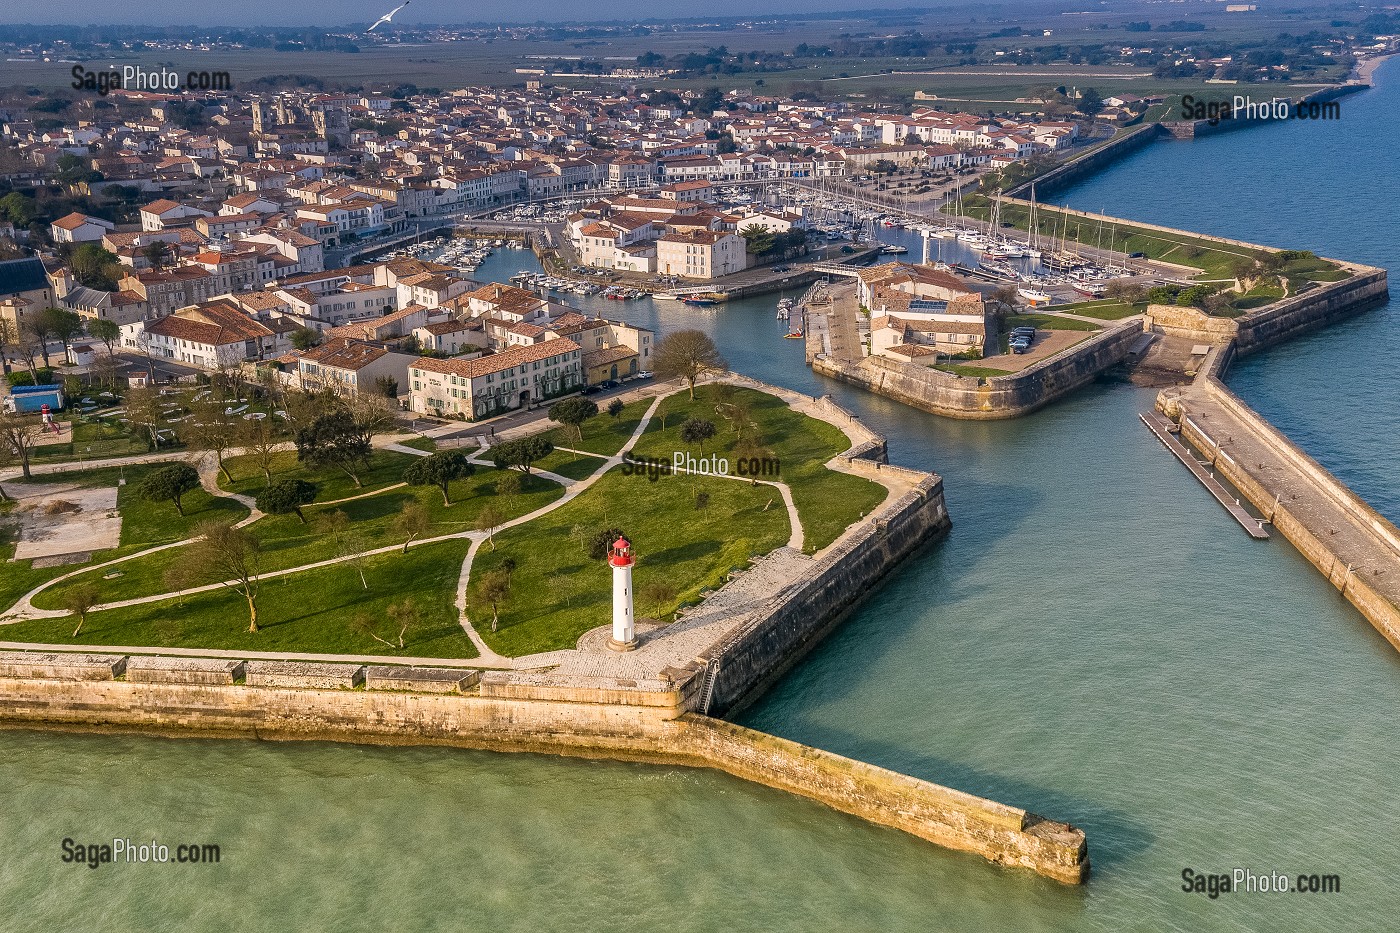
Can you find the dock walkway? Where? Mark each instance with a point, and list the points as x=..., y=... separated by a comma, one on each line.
x=1164, y=428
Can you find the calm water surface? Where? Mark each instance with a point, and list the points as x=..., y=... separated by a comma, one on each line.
x=1095, y=641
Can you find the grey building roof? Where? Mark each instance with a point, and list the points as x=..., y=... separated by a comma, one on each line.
x=22, y=275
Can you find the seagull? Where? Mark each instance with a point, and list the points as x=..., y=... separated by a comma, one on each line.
x=389, y=17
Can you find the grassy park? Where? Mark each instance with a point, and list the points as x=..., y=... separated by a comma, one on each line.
x=387, y=574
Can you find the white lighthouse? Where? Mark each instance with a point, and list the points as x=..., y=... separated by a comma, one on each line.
x=624, y=626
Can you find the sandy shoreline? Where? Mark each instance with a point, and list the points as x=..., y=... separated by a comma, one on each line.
x=1366, y=68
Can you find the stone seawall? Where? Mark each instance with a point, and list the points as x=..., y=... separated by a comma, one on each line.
x=1078, y=167
x=986, y=398
x=1356, y=548
x=1310, y=310
x=1283, y=320
x=798, y=617
x=1304, y=533
x=577, y=723
x=1191, y=129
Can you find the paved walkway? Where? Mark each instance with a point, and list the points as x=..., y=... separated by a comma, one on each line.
x=1366, y=545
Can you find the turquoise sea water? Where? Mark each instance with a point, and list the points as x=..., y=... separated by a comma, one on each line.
x=1095, y=641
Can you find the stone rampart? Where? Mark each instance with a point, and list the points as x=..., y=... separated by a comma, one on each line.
x=987, y=398
x=573, y=724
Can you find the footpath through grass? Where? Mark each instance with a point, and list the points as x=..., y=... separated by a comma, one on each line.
x=828, y=502
x=285, y=542
x=144, y=524
x=557, y=593
x=314, y=612
x=385, y=469
x=602, y=434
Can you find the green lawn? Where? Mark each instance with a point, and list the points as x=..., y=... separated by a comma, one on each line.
x=420, y=443
x=828, y=502
x=286, y=542
x=1048, y=322
x=92, y=440
x=557, y=594
x=574, y=466
x=144, y=524
x=602, y=434
x=1106, y=309
x=1258, y=296
x=385, y=469
x=959, y=369
x=311, y=612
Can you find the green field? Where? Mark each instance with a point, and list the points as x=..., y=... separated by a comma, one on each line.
x=691, y=531
x=314, y=611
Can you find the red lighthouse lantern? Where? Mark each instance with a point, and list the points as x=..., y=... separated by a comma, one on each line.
x=621, y=553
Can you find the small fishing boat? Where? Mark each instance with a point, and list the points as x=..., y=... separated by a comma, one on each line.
x=793, y=335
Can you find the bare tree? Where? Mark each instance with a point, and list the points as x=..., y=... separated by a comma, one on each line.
x=372, y=413
x=28, y=348
x=213, y=432
x=488, y=521
x=258, y=437
x=105, y=370
x=222, y=554
x=413, y=523
x=404, y=615
x=80, y=600
x=143, y=411
x=348, y=544
x=18, y=433
x=688, y=355
x=508, y=487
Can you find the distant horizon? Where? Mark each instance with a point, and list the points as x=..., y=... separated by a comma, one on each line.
x=332, y=15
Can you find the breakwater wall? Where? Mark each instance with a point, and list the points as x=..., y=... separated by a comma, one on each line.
x=317, y=702
x=986, y=397
x=796, y=618
x=1355, y=548
x=1076, y=168
x=1318, y=306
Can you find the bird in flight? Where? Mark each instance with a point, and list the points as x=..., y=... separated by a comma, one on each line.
x=388, y=17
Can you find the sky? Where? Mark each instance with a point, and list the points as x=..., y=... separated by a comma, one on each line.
x=333, y=13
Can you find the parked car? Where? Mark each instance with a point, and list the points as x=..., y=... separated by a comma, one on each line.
x=645, y=374
x=1135, y=255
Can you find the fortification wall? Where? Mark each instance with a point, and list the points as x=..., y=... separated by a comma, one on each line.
x=582, y=722
x=986, y=398
x=798, y=617
x=1310, y=310
x=1191, y=323
x=1310, y=542
x=1078, y=167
